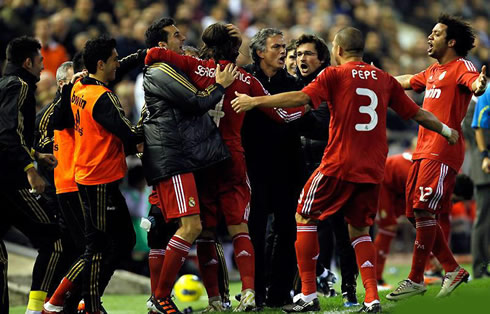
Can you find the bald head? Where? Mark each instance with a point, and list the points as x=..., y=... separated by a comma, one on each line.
x=350, y=39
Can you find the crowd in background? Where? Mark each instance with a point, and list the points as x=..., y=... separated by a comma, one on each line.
x=395, y=31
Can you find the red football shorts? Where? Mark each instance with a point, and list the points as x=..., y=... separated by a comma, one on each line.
x=430, y=184
x=178, y=196
x=391, y=206
x=224, y=191
x=322, y=196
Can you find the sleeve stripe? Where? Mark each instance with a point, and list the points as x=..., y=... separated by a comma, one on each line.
x=182, y=80
x=469, y=65
x=43, y=125
x=480, y=116
x=117, y=105
x=286, y=116
x=20, y=117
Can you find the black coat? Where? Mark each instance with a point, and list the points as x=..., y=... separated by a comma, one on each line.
x=180, y=136
x=17, y=117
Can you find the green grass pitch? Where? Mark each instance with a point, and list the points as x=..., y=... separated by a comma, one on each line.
x=468, y=298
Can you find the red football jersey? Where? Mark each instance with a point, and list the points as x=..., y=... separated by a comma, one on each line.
x=447, y=95
x=202, y=74
x=395, y=181
x=358, y=96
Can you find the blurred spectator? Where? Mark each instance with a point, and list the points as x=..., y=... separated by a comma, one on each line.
x=54, y=54
x=84, y=20
x=46, y=89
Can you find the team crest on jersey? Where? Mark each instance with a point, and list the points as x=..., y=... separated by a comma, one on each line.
x=443, y=74
x=192, y=201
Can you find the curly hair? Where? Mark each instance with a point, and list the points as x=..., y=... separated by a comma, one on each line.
x=459, y=30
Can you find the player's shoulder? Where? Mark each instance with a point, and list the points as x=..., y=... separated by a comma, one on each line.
x=465, y=65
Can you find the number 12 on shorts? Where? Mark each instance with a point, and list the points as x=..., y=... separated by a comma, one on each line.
x=424, y=193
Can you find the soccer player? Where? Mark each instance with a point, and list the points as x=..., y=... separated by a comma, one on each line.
x=391, y=206
x=312, y=57
x=351, y=171
x=61, y=120
x=21, y=185
x=449, y=85
x=224, y=188
x=102, y=135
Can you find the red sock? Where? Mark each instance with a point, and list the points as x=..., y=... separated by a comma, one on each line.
x=442, y=251
x=245, y=259
x=58, y=297
x=424, y=242
x=445, y=223
x=307, y=250
x=208, y=265
x=175, y=254
x=155, y=263
x=382, y=244
x=366, y=262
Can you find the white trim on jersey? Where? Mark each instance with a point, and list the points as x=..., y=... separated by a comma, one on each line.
x=469, y=65
x=179, y=193
x=287, y=117
x=310, y=196
x=440, y=188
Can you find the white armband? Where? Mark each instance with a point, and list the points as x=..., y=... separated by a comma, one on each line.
x=446, y=131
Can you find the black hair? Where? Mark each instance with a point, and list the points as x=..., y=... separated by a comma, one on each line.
x=95, y=50
x=78, y=65
x=155, y=33
x=218, y=44
x=21, y=48
x=320, y=46
x=459, y=30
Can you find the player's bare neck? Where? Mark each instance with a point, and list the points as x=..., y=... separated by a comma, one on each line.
x=350, y=59
x=449, y=56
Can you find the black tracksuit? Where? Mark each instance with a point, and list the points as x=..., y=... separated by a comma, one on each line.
x=19, y=207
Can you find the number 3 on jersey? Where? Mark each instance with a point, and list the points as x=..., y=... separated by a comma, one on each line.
x=369, y=110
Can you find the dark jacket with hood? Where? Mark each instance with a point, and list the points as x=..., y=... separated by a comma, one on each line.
x=17, y=116
x=180, y=136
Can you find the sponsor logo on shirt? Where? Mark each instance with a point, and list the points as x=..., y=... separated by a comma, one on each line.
x=433, y=92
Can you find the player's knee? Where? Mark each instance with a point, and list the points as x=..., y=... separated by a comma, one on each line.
x=304, y=220
x=355, y=232
x=236, y=229
x=97, y=242
x=191, y=227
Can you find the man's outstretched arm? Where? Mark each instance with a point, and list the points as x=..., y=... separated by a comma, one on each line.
x=283, y=100
x=404, y=80
x=429, y=121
